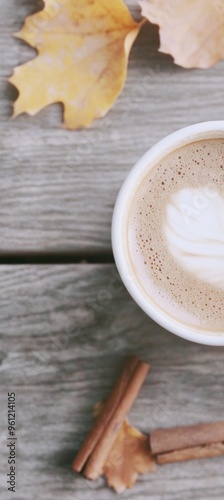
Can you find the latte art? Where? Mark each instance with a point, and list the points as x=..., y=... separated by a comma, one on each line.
x=194, y=229
x=175, y=235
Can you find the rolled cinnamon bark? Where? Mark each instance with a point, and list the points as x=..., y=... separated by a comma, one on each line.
x=206, y=451
x=164, y=440
x=94, y=466
x=106, y=414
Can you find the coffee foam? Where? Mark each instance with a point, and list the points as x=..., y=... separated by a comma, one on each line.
x=176, y=234
x=194, y=230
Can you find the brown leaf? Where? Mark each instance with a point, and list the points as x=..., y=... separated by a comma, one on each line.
x=192, y=31
x=129, y=457
x=83, y=48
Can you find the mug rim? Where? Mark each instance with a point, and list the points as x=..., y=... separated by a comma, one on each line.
x=153, y=155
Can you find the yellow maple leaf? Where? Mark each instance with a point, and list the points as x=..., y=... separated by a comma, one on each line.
x=130, y=456
x=83, y=48
x=192, y=31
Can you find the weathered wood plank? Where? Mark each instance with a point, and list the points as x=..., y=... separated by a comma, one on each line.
x=58, y=187
x=65, y=332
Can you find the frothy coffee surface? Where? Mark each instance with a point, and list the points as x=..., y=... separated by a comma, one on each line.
x=176, y=234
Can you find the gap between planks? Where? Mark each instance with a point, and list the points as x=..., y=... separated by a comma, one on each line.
x=66, y=257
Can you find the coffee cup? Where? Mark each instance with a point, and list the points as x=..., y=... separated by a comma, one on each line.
x=168, y=233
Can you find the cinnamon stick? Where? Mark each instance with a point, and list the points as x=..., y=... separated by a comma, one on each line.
x=95, y=464
x=166, y=440
x=206, y=451
x=106, y=414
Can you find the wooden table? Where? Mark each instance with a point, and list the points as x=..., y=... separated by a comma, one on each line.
x=67, y=325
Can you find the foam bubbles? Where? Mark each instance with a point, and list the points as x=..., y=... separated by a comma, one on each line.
x=181, y=202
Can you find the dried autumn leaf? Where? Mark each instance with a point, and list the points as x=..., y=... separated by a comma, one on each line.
x=83, y=48
x=192, y=31
x=129, y=457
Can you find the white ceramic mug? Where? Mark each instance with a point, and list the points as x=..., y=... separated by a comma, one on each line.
x=200, y=131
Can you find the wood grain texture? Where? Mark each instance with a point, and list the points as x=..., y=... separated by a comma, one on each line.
x=58, y=187
x=65, y=332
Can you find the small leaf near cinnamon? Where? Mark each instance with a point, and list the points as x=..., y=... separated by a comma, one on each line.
x=129, y=457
